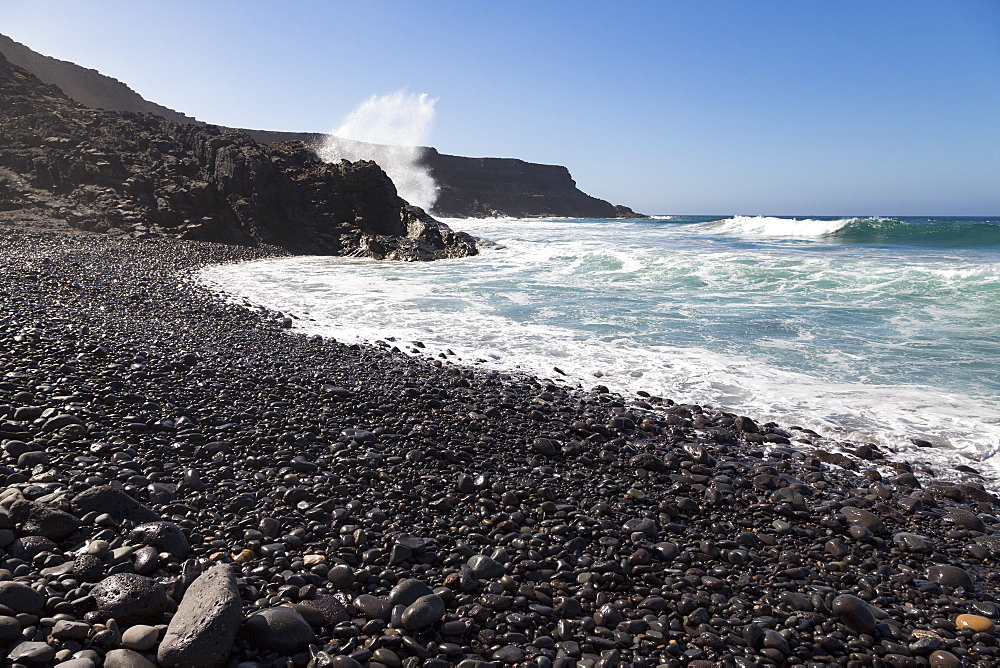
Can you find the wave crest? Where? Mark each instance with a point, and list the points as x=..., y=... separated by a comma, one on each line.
x=874, y=230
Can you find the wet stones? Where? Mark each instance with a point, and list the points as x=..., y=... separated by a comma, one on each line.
x=329, y=610
x=163, y=536
x=423, y=612
x=279, y=629
x=373, y=607
x=201, y=633
x=951, y=576
x=911, y=542
x=976, y=623
x=863, y=518
x=854, y=612
x=407, y=592
x=486, y=568
x=130, y=599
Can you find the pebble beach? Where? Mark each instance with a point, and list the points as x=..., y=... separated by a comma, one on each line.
x=187, y=483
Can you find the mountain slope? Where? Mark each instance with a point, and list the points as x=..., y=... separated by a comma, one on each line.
x=88, y=87
x=124, y=172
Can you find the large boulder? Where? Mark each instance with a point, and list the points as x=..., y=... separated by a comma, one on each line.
x=280, y=629
x=202, y=632
x=106, y=499
x=130, y=599
x=34, y=518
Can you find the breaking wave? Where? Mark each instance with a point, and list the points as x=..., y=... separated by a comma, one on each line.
x=888, y=231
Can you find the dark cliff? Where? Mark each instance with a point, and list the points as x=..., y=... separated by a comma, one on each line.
x=63, y=163
x=469, y=187
x=484, y=187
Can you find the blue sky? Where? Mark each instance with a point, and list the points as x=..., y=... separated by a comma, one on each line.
x=782, y=107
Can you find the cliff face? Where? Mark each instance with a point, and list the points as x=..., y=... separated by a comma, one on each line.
x=485, y=187
x=127, y=172
x=470, y=187
x=480, y=187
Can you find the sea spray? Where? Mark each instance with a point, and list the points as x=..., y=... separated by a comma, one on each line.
x=390, y=130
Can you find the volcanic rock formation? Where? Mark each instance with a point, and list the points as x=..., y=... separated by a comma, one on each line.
x=469, y=187
x=102, y=171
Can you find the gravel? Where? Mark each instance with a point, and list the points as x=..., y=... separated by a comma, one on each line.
x=378, y=509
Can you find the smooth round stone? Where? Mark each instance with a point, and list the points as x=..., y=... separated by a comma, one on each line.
x=486, y=568
x=855, y=613
x=10, y=630
x=341, y=661
x=408, y=591
x=19, y=597
x=98, y=547
x=911, y=542
x=341, y=576
x=974, y=622
x=32, y=653
x=280, y=629
x=164, y=536
x=145, y=560
x=32, y=459
x=950, y=576
x=837, y=548
x=67, y=630
x=126, y=658
x=942, y=659
x=140, y=637
x=423, y=612
x=509, y=654
x=76, y=663
x=373, y=607
x=864, y=518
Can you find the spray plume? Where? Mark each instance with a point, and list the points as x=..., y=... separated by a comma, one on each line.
x=389, y=129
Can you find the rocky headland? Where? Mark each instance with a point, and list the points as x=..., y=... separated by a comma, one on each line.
x=187, y=483
x=469, y=187
x=65, y=165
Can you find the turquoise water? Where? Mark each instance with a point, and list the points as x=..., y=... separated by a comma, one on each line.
x=875, y=329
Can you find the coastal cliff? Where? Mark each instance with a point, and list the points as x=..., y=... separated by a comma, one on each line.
x=64, y=164
x=492, y=187
x=469, y=187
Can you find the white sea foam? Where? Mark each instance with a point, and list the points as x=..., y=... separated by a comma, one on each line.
x=391, y=130
x=767, y=226
x=563, y=295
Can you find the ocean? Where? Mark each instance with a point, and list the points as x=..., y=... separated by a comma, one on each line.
x=877, y=330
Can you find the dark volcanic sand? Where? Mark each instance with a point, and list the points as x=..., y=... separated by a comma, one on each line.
x=421, y=515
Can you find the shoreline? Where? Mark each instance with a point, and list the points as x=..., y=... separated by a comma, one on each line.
x=899, y=433
x=552, y=526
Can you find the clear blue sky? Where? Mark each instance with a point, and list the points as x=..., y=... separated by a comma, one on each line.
x=757, y=107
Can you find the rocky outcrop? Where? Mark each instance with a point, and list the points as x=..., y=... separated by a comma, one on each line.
x=487, y=187
x=139, y=173
x=470, y=187
x=481, y=187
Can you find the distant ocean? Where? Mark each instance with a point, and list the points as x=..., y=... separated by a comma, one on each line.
x=868, y=329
